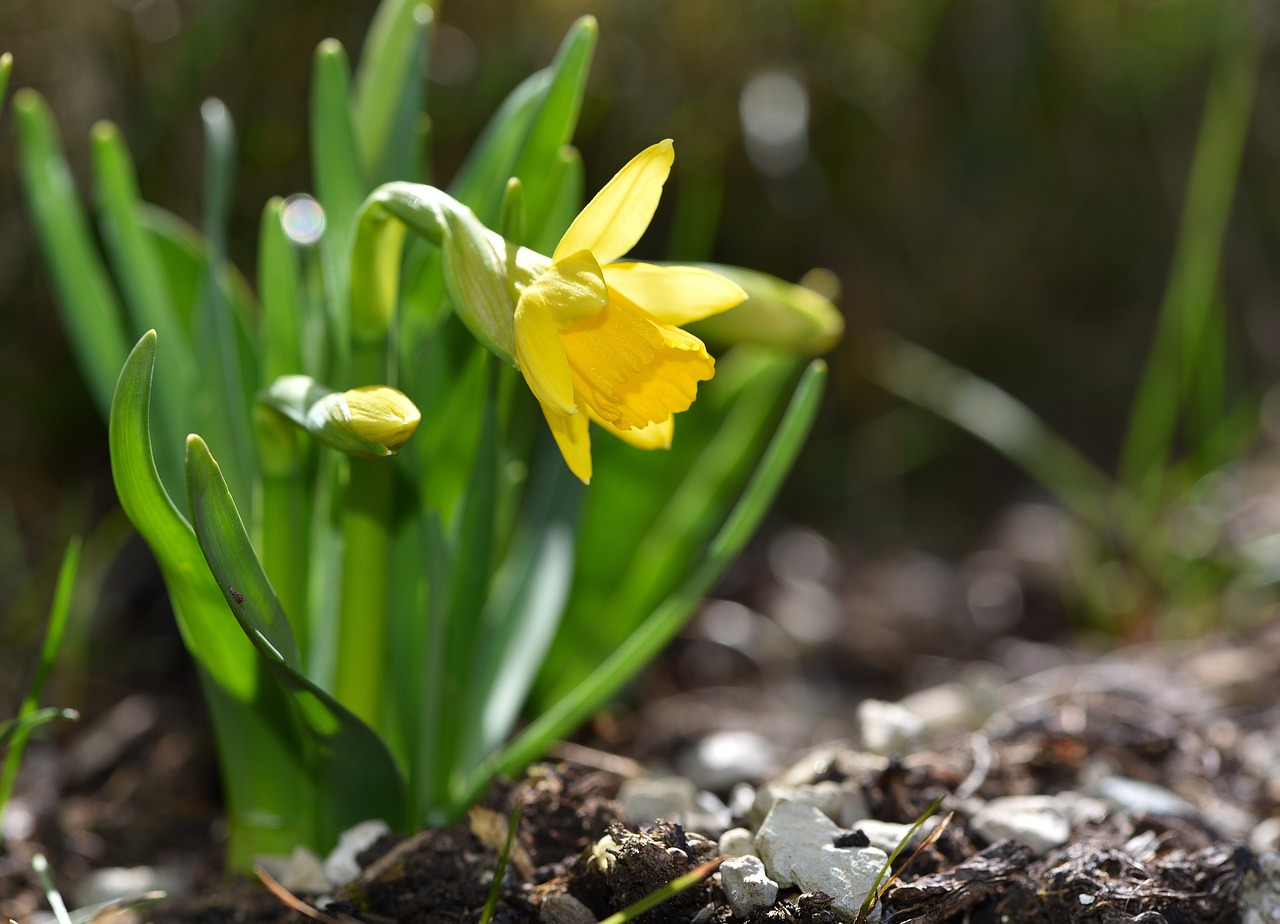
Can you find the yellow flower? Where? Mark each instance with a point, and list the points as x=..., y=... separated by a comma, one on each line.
x=601, y=340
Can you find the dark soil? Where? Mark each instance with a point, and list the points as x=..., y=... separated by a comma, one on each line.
x=134, y=785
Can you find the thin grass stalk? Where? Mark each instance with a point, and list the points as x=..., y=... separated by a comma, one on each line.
x=1191, y=296
x=49, y=648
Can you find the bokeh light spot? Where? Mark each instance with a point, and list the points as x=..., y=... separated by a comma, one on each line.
x=774, y=110
x=302, y=218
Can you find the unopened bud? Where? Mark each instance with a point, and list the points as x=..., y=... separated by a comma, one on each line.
x=374, y=420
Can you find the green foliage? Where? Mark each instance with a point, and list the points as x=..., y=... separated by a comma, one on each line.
x=367, y=624
x=1183, y=426
x=14, y=732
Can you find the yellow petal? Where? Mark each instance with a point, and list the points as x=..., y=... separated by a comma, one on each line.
x=676, y=295
x=574, y=440
x=655, y=436
x=615, y=219
x=632, y=370
x=541, y=357
x=572, y=288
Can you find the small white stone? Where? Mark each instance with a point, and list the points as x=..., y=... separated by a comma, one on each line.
x=340, y=866
x=1259, y=897
x=888, y=728
x=846, y=874
x=887, y=835
x=1137, y=796
x=1039, y=822
x=791, y=831
x=649, y=799
x=726, y=757
x=747, y=886
x=737, y=842
x=563, y=908
x=796, y=843
x=1265, y=837
x=841, y=802
x=304, y=873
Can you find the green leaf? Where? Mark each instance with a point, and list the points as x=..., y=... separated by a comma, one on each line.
x=6, y=68
x=349, y=770
x=650, y=514
x=280, y=293
x=480, y=183
x=268, y=807
x=1182, y=357
x=29, y=714
x=339, y=177
x=11, y=728
x=228, y=374
x=557, y=118
x=90, y=312
x=523, y=611
x=389, y=93
x=662, y=624
x=140, y=270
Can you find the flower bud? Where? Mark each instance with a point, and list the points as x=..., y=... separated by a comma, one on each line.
x=373, y=420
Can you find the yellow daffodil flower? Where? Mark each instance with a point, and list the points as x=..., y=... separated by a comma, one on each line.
x=599, y=340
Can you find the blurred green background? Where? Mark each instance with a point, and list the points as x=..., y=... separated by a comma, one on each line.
x=997, y=181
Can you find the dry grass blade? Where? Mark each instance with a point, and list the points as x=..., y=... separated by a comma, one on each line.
x=877, y=889
x=95, y=913
x=295, y=904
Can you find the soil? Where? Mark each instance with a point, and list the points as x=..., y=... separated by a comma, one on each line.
x=134, y=786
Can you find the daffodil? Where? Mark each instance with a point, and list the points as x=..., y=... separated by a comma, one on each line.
x=600, y=340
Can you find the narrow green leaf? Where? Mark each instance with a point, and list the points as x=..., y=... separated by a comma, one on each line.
x=655, y=512
x=228, y=376
x=265, y=800
x=491, y=161
x=11, y=728
x=557, y=117
x=995, y=417
x=6, y=68
x=29, y=713
x=667, y=619
x=523, y=612
x=1191, y=296
x=339, y=177
x=353, y=774
x=90, y=312
x=280, y=293
x=217, y=642
x=227, y=550
x=389, y=86
x=140, y=270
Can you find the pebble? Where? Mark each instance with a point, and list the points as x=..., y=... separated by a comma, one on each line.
x=563, y=908
x=304, y=873
x=822, y=760
x=1136, y=796
x=737, y=842
x=888, y=728
x=887, y=835
x=340, y=866
x=723, y=758
x=747, y=886
x=1259, y=897
x=649, y=799
x=1039, y=822
x=795, y=841
x=843, y=803
x=1265, y=837
x=116, y=882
